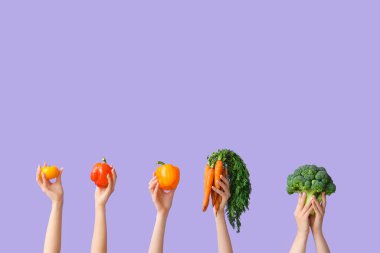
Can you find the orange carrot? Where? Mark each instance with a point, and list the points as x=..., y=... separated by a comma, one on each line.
x=219, y=198
x=207, y=190
x=218, y=171
x=213, y=197
x=205, y=177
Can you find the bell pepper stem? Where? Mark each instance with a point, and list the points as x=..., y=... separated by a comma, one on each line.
x=104, y=160
x=161, y=163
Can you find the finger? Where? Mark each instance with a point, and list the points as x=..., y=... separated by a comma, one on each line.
x=225, y=180
x=114, y=177
x=114, y=174
x=155, y=192
x=301, y=202
x=152, y=180
x=59, y=178
x=317, y=208
x=152, y=185
x=226, y=174
x=324, y=201
x=224, y=186
x=217, y=191
x=45, y=182
x=110, y=184
x=170, y=193
x=307, y=206
x=38, y=175
x=45, y=164
x=309, y=210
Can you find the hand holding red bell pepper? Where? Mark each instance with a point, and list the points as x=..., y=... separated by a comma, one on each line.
x=99, y=173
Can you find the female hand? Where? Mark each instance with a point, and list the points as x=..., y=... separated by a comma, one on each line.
x=302, y=213
x=53, y=190
x=103, y=194
x=162, y=199
x=317, y=219
x=224, y=192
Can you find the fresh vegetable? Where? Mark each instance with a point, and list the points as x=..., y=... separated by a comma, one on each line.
x=168, y=176
x=99, y=173
x=219, y=170
x=50, y=171
x=213, y=194
x=240, y=185
x=312, y=180
x=209, y=180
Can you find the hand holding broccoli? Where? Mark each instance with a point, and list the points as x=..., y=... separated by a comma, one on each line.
x=302, y=213
x=317, y=219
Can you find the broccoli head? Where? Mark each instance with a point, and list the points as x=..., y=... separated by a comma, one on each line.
x=312, y=180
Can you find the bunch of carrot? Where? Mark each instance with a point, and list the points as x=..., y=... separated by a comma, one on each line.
x=219, y=163
x=211, y=177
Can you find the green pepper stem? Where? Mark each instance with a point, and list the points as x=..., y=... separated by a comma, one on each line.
x=104, y=160
x=161, y=163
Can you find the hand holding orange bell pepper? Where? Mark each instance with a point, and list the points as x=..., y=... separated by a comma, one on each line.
x=168, y=176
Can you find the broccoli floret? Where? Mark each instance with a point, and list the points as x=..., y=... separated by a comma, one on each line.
x=312, y=180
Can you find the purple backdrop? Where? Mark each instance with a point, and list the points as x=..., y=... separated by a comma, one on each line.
x=283, y=83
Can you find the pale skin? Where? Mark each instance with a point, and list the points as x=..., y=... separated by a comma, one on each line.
x=54, y=191
x=99, y=238
x=163, y=201
x=305, y=222
x=223, y=237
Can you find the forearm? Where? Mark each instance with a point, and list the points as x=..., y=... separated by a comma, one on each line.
x=320, y=242
x=299, y=244
x=224, y=241
x=99, y=238
x=54, y=229
x=157, y=241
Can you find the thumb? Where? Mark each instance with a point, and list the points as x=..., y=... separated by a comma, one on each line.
x=59, y=178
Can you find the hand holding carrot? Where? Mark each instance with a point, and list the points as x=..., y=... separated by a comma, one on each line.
x=162, y=199
x=223, y=192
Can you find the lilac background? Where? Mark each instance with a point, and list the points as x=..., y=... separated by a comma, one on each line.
x=283, y=83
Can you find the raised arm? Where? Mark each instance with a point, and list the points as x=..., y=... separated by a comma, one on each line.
x=301, y=215
x=163, y=202
x=316, y=225
x=223, y=237
x=99, y=238
x=55, y=193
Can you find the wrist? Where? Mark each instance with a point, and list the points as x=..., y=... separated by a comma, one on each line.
x=100, y=206
x=162, y=214
x=317, y=232
x=57, y=203
x=303, y=232
x=219, y=214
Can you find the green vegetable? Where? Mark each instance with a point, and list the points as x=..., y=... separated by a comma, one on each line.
x=240, y=186
x=312, y=180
